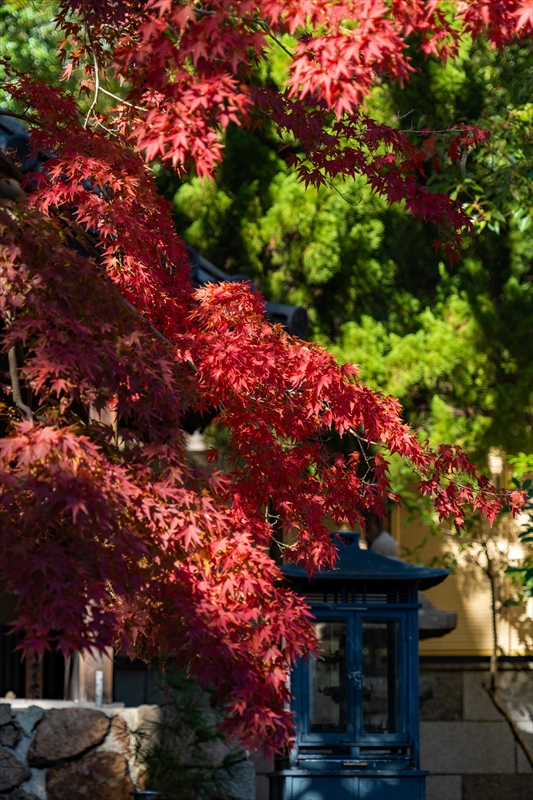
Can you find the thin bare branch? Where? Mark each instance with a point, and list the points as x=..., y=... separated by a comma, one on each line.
x=346, y=199
x=106, y=129
x=96, y=90
x=15, y=385
x=403, y=116
x=517, y=733
x=268, y=30
x=121, y=100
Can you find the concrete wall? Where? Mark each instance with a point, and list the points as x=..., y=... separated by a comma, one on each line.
x=466, y=744
x=49, y=750
x=263, y=766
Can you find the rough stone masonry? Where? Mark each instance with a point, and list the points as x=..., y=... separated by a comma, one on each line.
x=77, y=753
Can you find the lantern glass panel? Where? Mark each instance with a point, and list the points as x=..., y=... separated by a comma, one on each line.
x=328, y=689
x=381, y=642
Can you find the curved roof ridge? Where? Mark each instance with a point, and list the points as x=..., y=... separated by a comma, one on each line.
x=366, y=566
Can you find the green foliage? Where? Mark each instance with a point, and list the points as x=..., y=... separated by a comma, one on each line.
x=497, y=182
x=29, y=39
x=434, y=369
x=325, y=248
x=495, y=277
x=29, y=42
x=179, y=754
x=522, y=465
x=453, y=345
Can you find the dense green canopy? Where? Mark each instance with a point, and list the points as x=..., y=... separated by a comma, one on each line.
x=28, y=38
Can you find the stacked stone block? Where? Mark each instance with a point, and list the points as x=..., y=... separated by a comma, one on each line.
x=466, y=743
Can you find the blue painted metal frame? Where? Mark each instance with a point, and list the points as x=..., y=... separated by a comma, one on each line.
x=349, y=785
x=394, y=778
x=402, y=737
x=301, y=676
x=355, y=764
x=408, y=679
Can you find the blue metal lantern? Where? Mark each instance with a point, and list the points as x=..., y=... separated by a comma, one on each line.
x=356, y=707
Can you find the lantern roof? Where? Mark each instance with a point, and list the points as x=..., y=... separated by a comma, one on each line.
x=355, y=564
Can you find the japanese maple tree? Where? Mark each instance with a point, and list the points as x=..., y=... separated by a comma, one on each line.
x=108, y=534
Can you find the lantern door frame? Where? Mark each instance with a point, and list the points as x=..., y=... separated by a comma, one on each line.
x=355, y=735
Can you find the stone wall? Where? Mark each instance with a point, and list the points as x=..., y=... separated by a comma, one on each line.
x=466, y=744
x=68, y=753
x=77, y=752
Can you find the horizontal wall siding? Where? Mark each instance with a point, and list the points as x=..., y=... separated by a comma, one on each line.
x=465, y=593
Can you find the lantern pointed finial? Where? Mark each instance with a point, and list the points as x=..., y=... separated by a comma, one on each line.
x=348, y=538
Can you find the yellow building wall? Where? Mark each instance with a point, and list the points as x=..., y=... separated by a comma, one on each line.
x=466, y=594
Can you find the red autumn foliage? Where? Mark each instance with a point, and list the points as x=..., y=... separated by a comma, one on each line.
x=119, y=539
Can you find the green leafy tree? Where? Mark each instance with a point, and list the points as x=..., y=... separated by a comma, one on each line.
x=181, y=751
x=453, y=344
x=494, y=277
x=29, y=38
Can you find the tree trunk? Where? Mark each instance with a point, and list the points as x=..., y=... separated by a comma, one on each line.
x=492, y=689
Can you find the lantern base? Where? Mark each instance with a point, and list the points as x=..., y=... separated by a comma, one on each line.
x=298, y=784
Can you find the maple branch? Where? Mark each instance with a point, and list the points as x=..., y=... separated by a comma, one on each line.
x=453, y=481
x=5, y=113
x=261, y=22
x=427, y=131
x=141, y=316
x=11, y=167
x=96, y=90
x=403, y=116
x=346, y=200
x=155, y=331
x=106, y=129
x=417, y=471
x=90, y=244
x=268, y=30
x=364, y=443
x=121, y=100
x=15, y=385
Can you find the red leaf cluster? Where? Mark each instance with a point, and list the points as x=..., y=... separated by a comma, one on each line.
x=113, y=536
